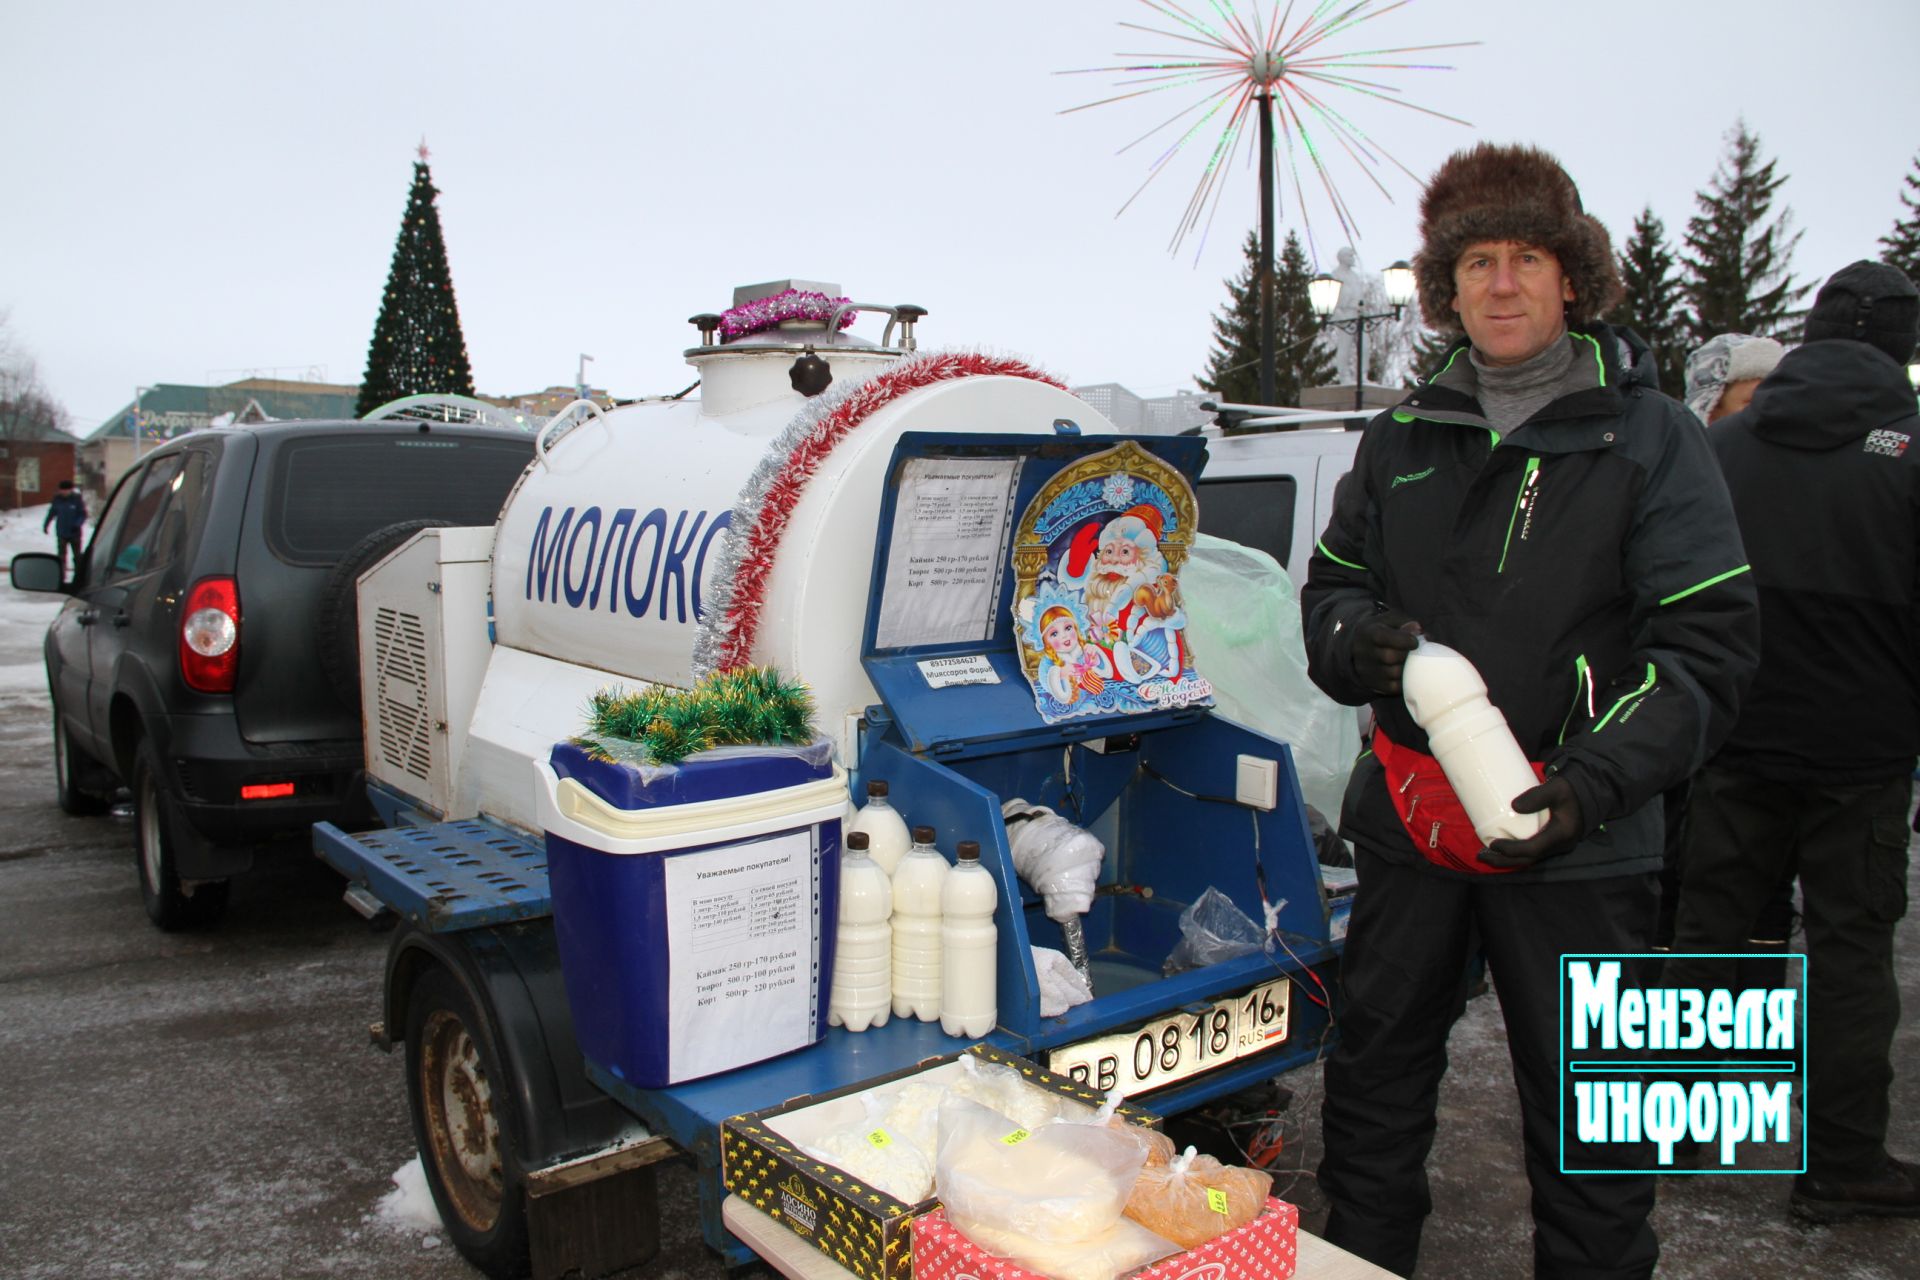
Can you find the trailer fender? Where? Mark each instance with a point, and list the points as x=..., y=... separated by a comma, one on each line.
x=512, y=974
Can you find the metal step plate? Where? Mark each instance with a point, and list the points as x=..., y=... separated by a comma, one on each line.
x=444, y=877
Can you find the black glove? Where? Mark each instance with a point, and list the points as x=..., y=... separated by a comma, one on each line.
x=1561, y=833
x=1381, y=644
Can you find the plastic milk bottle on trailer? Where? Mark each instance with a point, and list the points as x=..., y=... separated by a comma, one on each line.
x=969, y=984
x=917, y=885
x=862, y=994
x=887, y=838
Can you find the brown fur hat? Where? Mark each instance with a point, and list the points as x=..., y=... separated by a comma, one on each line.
x=1518, y=193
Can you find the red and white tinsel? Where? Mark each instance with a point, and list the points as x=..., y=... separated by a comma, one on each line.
x=766, y=504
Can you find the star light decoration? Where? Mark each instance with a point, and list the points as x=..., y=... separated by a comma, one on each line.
x=1265, y=70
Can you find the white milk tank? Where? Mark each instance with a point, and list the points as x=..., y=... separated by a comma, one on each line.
x=1470, y=738
x=917, y=883
x=968, y=1003
x=887, y=838
x=862, y=993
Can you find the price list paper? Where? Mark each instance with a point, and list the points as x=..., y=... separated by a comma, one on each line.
x=743, y=945
x=948, y=551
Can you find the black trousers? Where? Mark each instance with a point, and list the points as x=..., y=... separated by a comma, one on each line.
x=1406, y=948
x=1848, y=846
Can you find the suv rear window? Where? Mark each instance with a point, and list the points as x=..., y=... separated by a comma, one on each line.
x=327, y=494
x=1252, y=512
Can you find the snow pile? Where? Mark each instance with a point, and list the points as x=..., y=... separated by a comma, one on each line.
x=24, y=615
x=409, y=1206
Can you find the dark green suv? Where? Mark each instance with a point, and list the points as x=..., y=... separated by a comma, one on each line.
x=205, y=659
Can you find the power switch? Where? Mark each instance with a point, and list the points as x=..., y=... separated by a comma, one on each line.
x=1256, y=782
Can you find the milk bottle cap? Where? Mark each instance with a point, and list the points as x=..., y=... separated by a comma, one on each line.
x=969, y=850
x=877, y=788
x=857, y=841
x=923, y=835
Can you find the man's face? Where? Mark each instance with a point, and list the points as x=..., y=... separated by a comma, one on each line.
x=1735, y=397
x=1511, y=298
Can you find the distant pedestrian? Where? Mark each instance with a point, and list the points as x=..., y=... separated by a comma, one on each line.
x=1816, y=777
x=67, y=515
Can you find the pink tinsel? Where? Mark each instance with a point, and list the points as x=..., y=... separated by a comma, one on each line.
x=763, y=537
x=765, y=313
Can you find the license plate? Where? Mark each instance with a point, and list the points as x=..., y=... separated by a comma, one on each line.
x=1180, y=1045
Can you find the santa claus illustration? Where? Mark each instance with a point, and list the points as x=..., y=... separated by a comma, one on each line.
x=1132, y=602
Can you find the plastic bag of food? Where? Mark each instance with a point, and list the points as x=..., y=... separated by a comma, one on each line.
x=1212, y=929
x=1000, y=1088
x=1124, y=1247
x=1158, y=1146
x=1195, y=1198
x=878, y=1156
x=1058, y=1182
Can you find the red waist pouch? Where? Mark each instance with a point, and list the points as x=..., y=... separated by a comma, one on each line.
x=1435, y=819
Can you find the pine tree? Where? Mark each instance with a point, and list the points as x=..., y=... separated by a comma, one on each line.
x=1233, y=368
x=417, y=346
x=1738, y=262
x=1901, y=246
x=1651, y=306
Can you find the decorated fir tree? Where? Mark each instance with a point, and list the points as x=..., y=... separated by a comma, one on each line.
x=1651, y=306
x=1233, y=368
x=1738, y=256
x=417, y=346
x=1900, y=247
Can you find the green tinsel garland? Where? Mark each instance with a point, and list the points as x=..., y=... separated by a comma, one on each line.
x=745, y=706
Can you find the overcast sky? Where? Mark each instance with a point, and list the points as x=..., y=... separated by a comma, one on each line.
x=199, y=190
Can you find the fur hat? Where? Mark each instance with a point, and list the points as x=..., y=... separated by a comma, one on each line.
x=1726, y=358
x=1517, y=193
x=1868, y=302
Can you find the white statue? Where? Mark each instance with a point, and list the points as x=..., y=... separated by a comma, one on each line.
x=1359, y=291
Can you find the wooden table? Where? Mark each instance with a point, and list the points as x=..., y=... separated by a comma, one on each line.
x=797, y=1260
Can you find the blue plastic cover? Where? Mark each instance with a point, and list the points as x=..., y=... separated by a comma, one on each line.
x=720, y=774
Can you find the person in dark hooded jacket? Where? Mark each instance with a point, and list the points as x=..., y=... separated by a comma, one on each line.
x=1540, y=507
x=1816, y=778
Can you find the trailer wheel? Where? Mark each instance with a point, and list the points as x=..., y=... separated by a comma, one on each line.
x=463, y=1123
x=170, y=903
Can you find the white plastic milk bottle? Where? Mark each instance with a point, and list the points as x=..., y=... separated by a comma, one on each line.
x=862, y=993
x=1471, y=740
x=917, y=883
x=887, y=838
x=968, y=1005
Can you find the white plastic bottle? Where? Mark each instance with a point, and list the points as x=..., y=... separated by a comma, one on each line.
x=887, y=839
x=1471, y=740
x=917, y=883
x=968, y=987
x=862, y=992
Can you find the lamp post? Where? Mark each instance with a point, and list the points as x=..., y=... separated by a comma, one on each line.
x=1913, y=376
x=1324, y=293
x=580, y=377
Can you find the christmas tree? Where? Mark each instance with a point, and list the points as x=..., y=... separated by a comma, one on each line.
x=1737, y=261
x=1233, y=369
x=1651, y=305
x=1901, y=246
x=417, y=346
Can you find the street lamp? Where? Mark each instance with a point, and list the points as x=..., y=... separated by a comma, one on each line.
x=1324, y=293
x=1913, y=375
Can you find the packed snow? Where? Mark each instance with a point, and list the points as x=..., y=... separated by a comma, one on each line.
x=24, y=615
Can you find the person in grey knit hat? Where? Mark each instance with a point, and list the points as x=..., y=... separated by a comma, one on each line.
x=1540, y=507
x=1723, y=371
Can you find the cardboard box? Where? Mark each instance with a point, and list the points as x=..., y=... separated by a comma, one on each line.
x=1265, y=1249
x=862, y=1229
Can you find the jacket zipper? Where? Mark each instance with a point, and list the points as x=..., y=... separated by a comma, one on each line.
x=1637, y=694
x=1522, y=501
x=1582, y=681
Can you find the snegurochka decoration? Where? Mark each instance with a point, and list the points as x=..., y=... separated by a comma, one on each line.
x=767, y=313
x=745, y=706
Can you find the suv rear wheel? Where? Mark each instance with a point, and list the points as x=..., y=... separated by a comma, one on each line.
x=171, y=903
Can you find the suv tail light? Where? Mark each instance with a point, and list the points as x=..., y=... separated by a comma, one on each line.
x=210, y=636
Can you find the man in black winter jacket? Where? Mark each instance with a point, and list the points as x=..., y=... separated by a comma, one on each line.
x=1816, y=777
x=1540, y=507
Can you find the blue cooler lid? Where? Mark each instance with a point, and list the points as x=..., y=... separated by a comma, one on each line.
x=954, y=720
x=707, y=775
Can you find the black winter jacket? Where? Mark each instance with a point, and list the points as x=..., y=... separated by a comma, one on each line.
x=1826, y=485
x=1587, y=562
